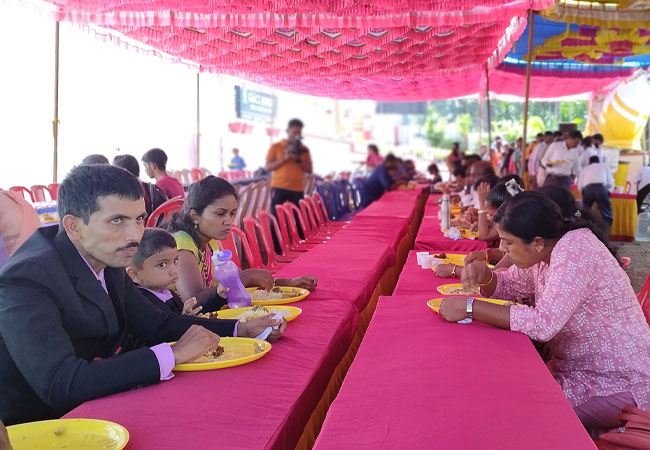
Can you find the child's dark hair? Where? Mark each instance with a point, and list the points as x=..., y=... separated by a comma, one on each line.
x=491, y=179
x=154, y=240
x=201, y=194
x=497, y=195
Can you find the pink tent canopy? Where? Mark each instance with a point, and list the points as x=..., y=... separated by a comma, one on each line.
x=384, y=49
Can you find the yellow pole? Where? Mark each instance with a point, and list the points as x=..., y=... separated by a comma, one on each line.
x=531, y=22
x=55, y=122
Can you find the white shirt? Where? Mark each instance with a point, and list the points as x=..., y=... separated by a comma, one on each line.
x=588, y=153
x=596, y=173
x=642, y=177
x=538, y=154
x=566, y=160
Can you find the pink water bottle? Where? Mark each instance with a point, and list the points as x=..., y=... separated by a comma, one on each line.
x=227, y=273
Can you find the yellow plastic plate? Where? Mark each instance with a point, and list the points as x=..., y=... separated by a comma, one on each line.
x=243, y=350
x=300, y=294
x=72, y=434
x=288, y=312
x=435, y=303
x=448, y=289
x=454, y=258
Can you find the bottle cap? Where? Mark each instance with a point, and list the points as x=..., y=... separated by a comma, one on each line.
x=221, y=256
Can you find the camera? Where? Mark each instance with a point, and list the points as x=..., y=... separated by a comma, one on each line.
x=294, y=147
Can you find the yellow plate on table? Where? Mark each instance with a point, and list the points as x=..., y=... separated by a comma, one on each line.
x=435, y=303
x=72, y=434
x=456, y=289
x=465, y=233
x=297, y=295
x=288, y=312
x=238, y=350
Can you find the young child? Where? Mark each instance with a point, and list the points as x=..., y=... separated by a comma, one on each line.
x=155, y=270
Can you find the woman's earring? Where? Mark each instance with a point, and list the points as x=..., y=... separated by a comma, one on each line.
x=196, y=225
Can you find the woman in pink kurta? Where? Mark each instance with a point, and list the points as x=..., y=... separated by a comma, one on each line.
x=585, y=307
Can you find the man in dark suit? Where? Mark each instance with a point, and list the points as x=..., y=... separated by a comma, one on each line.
x=73, y=326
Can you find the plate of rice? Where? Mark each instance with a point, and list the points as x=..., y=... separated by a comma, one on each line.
x=279, y=295
x=249, y=313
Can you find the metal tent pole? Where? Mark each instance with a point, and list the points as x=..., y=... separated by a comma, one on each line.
x=531, y=22
x=55, y=122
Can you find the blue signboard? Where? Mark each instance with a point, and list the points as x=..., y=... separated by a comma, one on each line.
x=253, y=105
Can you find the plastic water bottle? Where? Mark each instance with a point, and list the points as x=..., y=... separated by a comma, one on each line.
x=643, y=227
x=445, y=213
x=228, y=275
x=4, y=256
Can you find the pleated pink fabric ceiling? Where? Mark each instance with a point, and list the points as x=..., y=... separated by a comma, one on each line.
x=380, y=49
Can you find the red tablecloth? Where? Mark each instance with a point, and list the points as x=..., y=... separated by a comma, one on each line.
x=393, y=204
x=372, y=231
x=345, y=271
x=432, y=239
x=419, y=382
x=262, y=405
x=416, y=280
x=432, y=207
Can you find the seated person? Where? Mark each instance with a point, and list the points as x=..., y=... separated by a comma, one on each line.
x=205, y=218
x=94, y=159
x=585, y=307
x=435, y=173
x=382, y=179
x=70, y=317
x=153, y=195
x=154, y=269
x=18, y=220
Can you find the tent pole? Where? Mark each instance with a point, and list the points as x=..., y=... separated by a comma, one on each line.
x=198, y=120
x=480, y=122
x=55, y=122
x=487, y=96
x=522, y=163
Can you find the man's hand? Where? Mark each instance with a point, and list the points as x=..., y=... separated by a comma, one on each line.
x=482, y=192
x=196, y=341
x=191, y=307
x=255, y=327
x=308, y=282
x=257, y=278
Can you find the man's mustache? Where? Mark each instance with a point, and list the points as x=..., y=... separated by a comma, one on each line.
x=131, y=245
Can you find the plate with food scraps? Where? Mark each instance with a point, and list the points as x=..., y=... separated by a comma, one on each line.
x=457, y=289
x=232, y=351
x=249, y=313
x=87, y=434
x=435, y=303
x=279, y=295
x=453, y=258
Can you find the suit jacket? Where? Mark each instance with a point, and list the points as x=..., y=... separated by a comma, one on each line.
x=174, y=304
x=64, y=341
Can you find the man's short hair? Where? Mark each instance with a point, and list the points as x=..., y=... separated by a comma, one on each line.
x=540, y=135
x=154, y=241
x=576, y=134
x=594, y=159
x=295, y=123
x=157, y=157
x=558, y=133
x=94, y=159
x=390, y=158
x=598, y=136
x=484, y=169
x=548, y=133
x=85, y=185
x=472, y=157
x=127, y=162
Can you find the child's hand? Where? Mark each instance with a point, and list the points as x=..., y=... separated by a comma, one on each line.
x=222, y=290
x=306, y=282
x=191, y=307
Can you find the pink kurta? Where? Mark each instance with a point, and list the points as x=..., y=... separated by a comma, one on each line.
x=586, y=309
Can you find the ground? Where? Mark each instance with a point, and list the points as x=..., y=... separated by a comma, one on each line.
x=639, y=252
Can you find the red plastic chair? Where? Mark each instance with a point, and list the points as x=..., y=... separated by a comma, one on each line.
x=267, y=220
x=38, y=190
x=317, y=226
x=167, y=208
x=22, y=190
x=289, y=230
x=252, y=226
x=625, y=260
x=291, y=212
x=54, y=190
x=229, y=244
x=197, y=175
x=644, y=298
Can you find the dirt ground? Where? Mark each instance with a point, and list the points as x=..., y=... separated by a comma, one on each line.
x=639, y=252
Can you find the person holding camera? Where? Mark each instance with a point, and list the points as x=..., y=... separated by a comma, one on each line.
x=289, y=160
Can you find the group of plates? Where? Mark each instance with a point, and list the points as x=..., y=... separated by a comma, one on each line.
x=91, y=434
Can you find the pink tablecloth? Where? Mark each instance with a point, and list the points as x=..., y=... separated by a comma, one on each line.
x=432, y=239
x=261, y=405
x=419, y=382
x=372, y=231
x=416, y=280
x=393, y=204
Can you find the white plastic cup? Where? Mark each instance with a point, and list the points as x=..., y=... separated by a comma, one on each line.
x=421, y=256
x=428, y=262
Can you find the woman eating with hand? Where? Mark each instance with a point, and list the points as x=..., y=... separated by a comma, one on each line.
x=585, y=307
x=206, y=217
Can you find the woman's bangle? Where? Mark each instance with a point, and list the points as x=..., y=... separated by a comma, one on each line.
x=491, y=278
x=453, y=271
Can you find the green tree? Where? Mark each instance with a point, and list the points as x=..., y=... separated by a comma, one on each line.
x=464, y=125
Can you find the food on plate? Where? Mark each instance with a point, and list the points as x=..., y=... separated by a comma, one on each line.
x=256, y=312
x=462, y=291
x=440, y=256
x=211, y=355
x=274, y=294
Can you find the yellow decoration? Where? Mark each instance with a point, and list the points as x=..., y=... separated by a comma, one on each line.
x=612, y=13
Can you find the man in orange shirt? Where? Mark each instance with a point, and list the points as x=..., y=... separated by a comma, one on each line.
x=289, y=160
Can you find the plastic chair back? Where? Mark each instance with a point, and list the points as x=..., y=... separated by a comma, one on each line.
x=22, y=190
x=285, y=221
x=38, y=190
x=164, y=210
x=252, y=225
x=54, y=190
x=229, y=244
x=267, y=220
x=293, y=211
x=320, y=203
x=307, y=212
x=625, y=260
x=254, y=261
x=196, y=175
